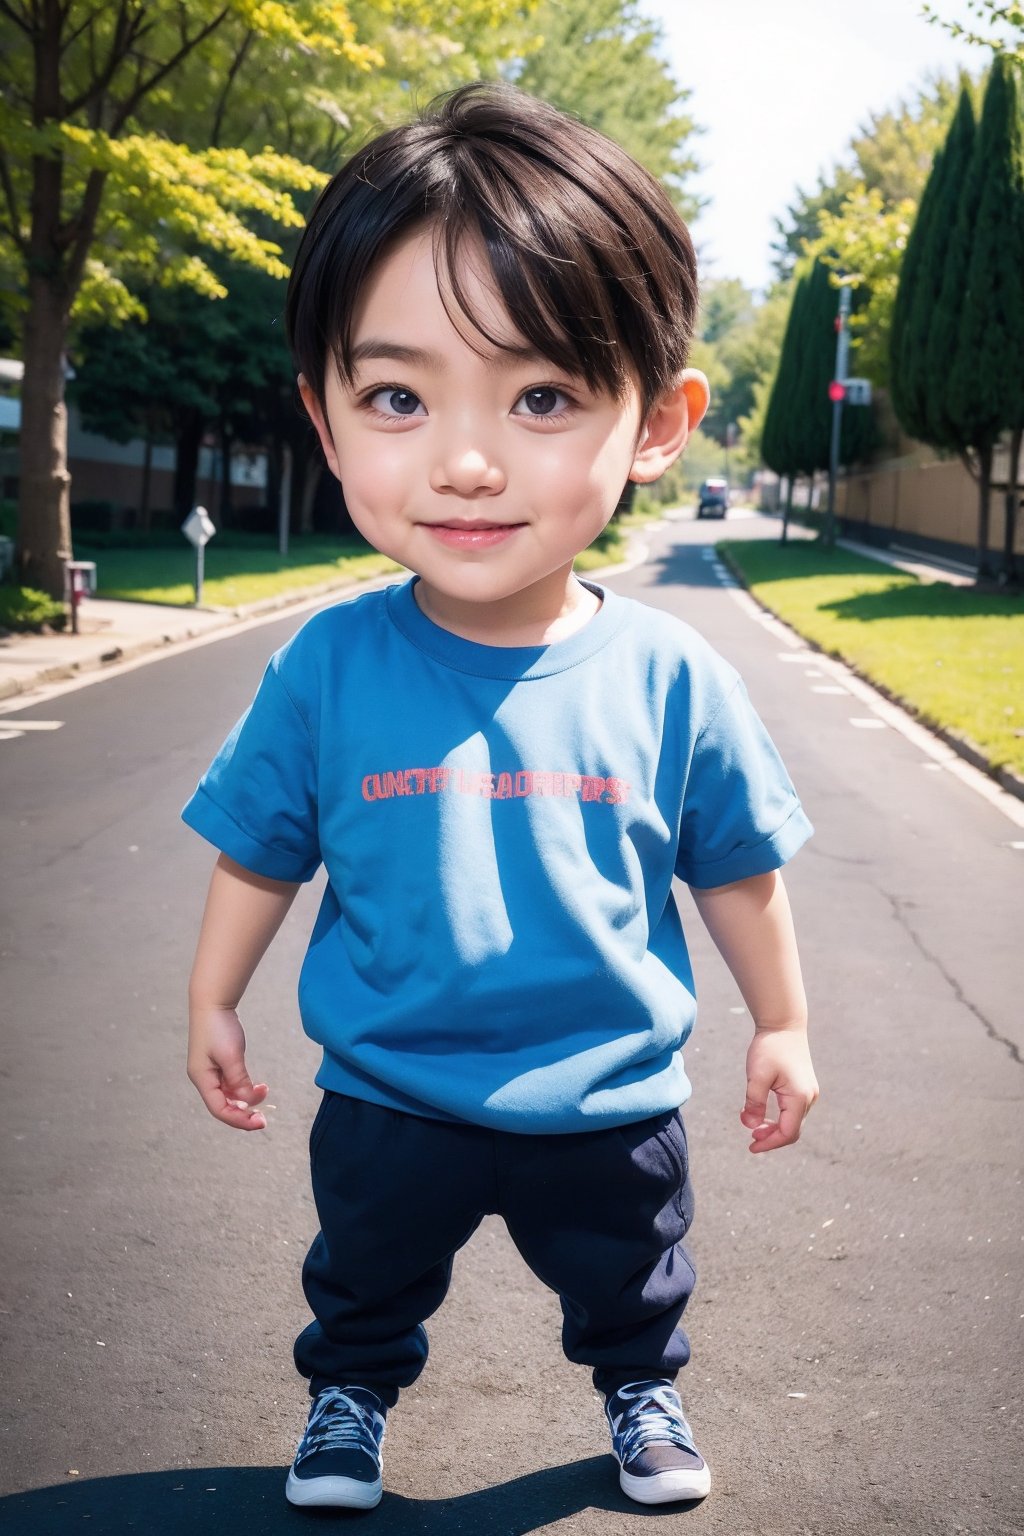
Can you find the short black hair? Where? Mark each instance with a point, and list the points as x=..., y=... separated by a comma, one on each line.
x=592, y=261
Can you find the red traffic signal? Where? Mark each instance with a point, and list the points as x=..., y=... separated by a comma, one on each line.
x=837, y=391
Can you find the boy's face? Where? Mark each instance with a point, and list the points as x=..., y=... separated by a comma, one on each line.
x=485, y=474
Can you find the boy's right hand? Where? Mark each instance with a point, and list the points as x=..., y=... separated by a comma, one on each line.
x=216, y=1066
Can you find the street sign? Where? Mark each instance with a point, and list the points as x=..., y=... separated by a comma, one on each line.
x=858, y=391
x=199, y=530
x=198, y=527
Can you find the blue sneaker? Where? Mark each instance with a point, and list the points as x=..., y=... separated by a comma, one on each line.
x=338, y=1462
x=654, y=1446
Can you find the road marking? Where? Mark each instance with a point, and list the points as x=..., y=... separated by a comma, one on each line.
x=21, y=727
x=867, y=724
x=828, y=688
x=930, y=746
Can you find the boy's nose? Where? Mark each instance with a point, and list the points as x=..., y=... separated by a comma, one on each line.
x=467, y=469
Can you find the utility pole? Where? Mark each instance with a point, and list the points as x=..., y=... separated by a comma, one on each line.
x=837, y=393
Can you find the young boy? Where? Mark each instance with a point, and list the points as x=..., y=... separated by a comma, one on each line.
x=502, y=768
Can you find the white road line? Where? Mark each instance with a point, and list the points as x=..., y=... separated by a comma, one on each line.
x=9, y=735
x=867, y=724
x=931, y=746
x=828, y=688
x=37, y=725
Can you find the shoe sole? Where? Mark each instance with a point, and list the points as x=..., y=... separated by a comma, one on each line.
x=666, y=1487
x=332, y=1492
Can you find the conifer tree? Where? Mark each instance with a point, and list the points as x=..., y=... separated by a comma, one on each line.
x=778, y=447
x=986, y=385
x=919, y=287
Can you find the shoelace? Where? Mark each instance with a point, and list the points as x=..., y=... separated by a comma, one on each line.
x=654, y=1416
x=337, y=1423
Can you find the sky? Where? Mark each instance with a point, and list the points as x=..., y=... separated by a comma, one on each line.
x=781, y=86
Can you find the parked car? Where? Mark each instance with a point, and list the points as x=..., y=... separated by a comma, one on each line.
x=713, y=498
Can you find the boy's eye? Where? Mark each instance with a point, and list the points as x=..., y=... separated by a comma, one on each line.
x=545, y=400
x=396, y=402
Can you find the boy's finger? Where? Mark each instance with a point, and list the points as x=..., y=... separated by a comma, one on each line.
x=234, y=1112
x=771, y=1135
x=755, y=1108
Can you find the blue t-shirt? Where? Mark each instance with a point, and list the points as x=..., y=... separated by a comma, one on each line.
x=498, y=941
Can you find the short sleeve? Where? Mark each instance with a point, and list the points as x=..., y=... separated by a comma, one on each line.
x=741, y=816
x=257, y=802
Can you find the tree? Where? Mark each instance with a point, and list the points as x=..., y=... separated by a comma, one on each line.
x=600, y=59
x=1008, y=45
x=986, y=384
x=129, y=149
x=802, y=223
x=797, y=436
x=864, y=239
x=78, y=164
x=779, y=446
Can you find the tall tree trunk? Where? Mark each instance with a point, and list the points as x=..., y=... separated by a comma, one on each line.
x=226, y=504
x=985, y=571
x=147, y=471
x=44, y=499
x=314, y=468
x=1009, y=572
x=188, y=439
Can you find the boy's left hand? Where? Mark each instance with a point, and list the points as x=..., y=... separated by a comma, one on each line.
x=779, y=1062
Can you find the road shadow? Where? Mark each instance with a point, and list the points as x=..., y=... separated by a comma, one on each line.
x=682, y=565
x=249, y=1501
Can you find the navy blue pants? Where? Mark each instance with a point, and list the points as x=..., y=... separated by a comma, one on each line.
x=598, y=1216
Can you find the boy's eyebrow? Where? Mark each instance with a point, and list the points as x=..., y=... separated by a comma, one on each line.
x=379, y=349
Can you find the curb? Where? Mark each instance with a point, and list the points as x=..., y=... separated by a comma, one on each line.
x=961, y=745
x=65, y=671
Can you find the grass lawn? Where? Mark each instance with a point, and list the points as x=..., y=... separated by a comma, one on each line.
x=242, y=569
x=955, y=656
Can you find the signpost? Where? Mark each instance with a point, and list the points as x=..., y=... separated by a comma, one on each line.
x=842, y=391
x=199, y=530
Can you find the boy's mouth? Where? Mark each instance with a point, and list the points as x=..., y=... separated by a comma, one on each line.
x=472, y=533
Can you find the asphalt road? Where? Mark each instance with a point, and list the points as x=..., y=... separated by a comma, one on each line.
x=858, y=1320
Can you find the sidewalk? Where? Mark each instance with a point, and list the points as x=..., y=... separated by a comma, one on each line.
x=112, y=631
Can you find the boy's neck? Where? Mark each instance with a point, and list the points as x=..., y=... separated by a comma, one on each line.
x=542, y=615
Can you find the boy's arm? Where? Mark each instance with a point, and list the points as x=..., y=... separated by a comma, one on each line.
x=752, y=926
x=243, y=913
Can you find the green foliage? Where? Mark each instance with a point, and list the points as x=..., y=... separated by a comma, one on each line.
x=952, y=654
x=864, y=218
x=918, y=307
x=601, y=60
x=802, y=220
x=986, y=386
x=1008, y=44
x=864, y=245
x=23, y=608
x=779, y=446
x=798, y=421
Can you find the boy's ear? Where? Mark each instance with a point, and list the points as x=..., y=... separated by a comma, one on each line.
x=319, y=420
x=669, y=426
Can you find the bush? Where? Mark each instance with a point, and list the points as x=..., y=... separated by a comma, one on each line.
x=25, y=608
